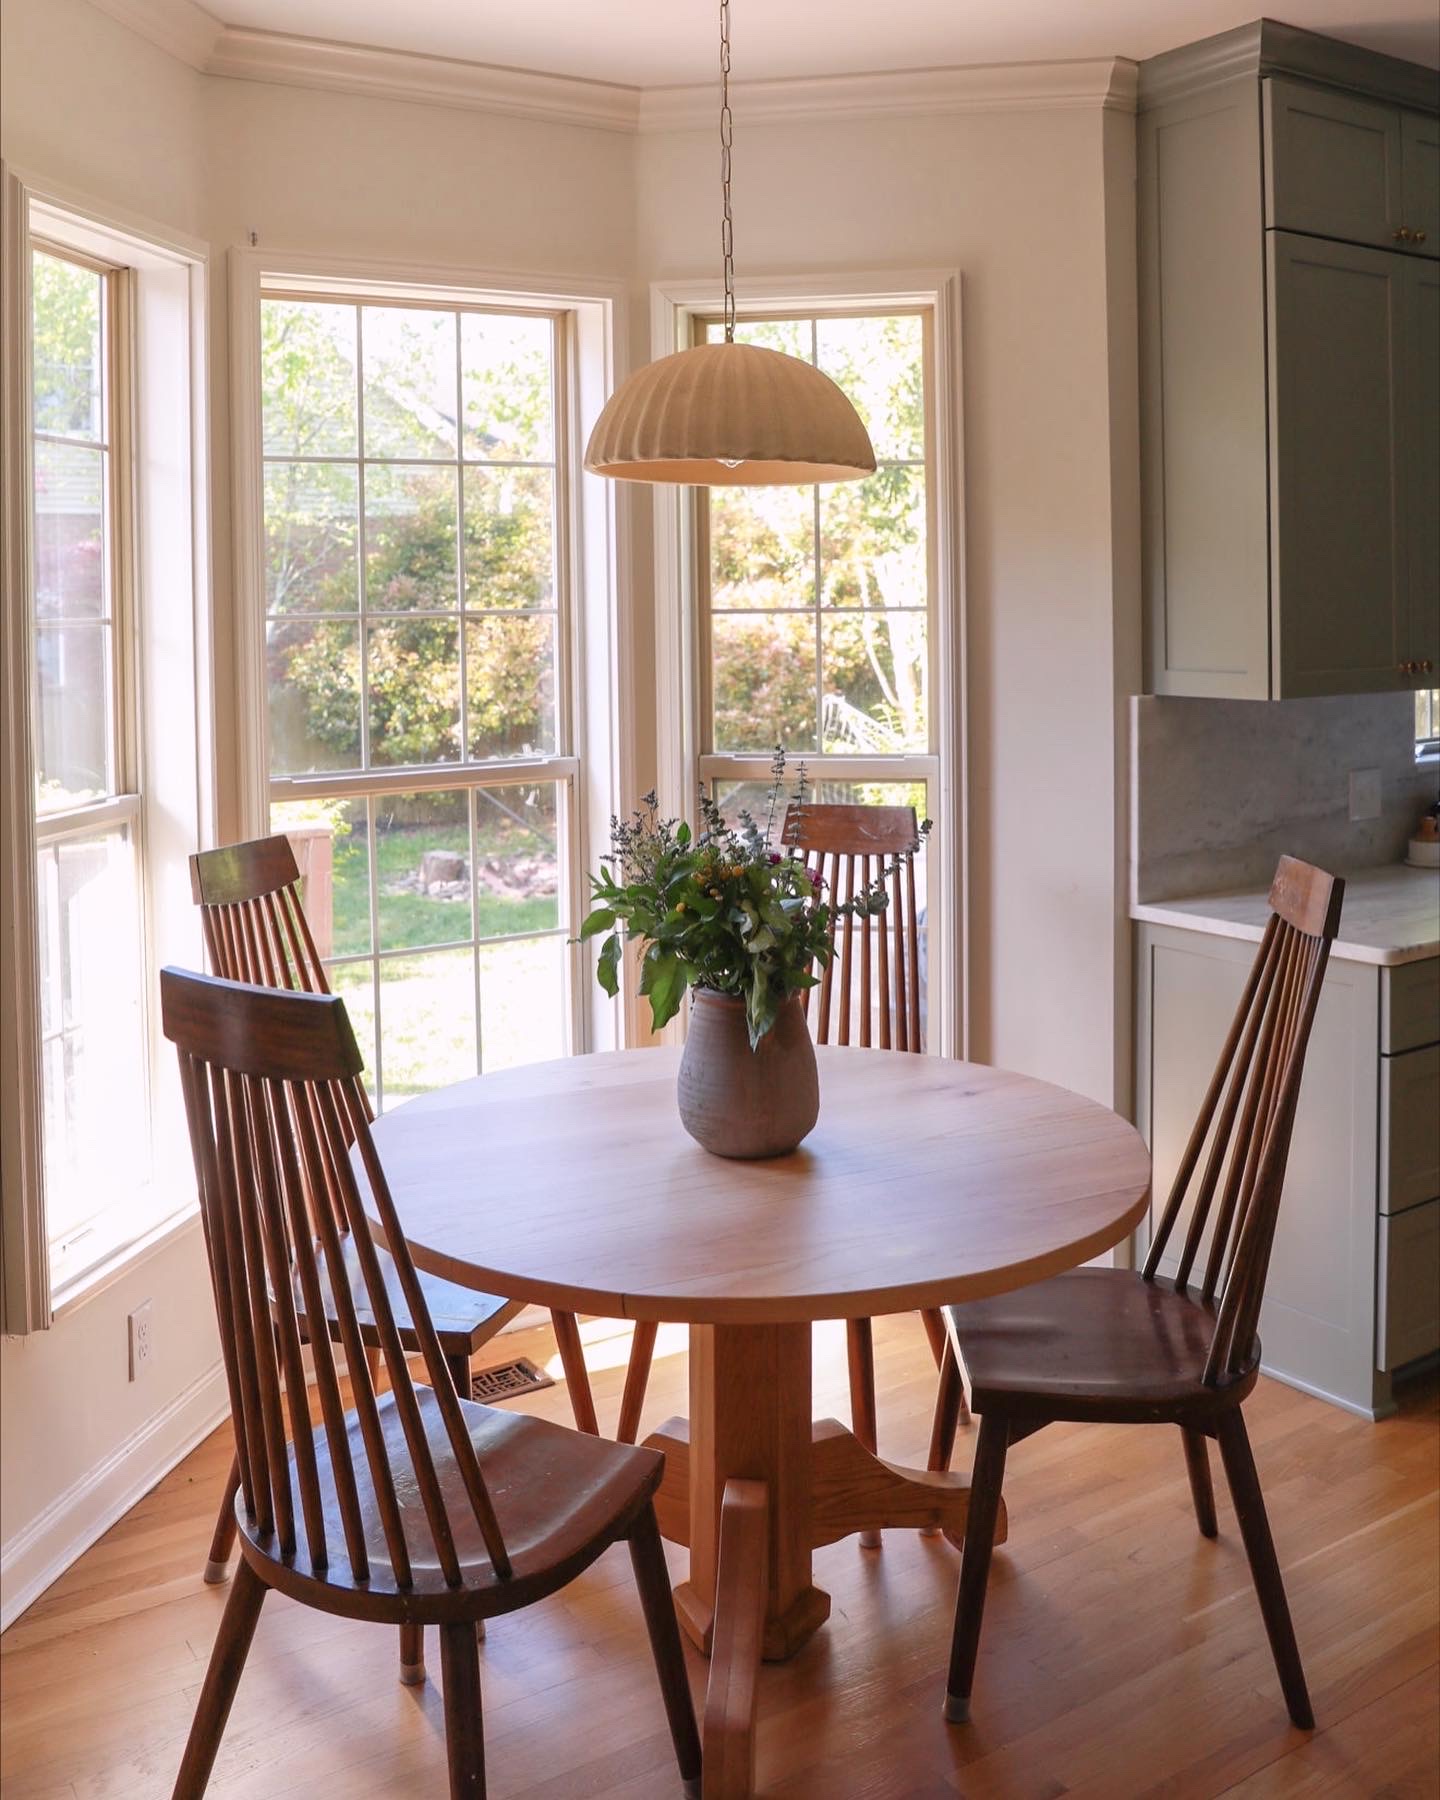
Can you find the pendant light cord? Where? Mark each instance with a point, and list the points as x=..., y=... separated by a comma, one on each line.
x=727, y=229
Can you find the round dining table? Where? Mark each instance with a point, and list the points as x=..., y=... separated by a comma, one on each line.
x=926, y=1182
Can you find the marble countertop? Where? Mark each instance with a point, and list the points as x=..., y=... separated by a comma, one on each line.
x=1391, y=915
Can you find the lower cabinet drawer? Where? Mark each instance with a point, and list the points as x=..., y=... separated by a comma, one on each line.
x=1409, y=1006
x=1409, y=1129
x=1407, y=1319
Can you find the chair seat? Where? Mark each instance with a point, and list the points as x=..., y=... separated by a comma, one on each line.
x=561, y=1498
x=463, y=1319
x=1092, y=1344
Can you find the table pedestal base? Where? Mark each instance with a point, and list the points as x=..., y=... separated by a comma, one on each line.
x=750, y=1418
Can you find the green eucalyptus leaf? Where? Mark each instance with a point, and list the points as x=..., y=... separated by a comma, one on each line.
x=664, y=978
x=607, y=970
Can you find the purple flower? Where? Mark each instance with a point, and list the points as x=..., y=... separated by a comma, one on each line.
x=773, y=858
x=816, y=881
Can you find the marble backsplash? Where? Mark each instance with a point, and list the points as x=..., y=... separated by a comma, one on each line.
x=1220, y=788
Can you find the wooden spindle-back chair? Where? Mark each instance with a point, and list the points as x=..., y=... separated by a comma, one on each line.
x=850, y=848
x=256, y=930
x=1137, y=1347
x=869, y=995
x=412, y=1506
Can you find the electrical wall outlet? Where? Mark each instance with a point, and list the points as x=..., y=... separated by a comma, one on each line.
x=1364, y=794
x=142, y=1341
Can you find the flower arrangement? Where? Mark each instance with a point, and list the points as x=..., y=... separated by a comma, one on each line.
x=719, y=909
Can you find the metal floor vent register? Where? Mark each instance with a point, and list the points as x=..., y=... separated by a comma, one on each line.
x=507, y=1380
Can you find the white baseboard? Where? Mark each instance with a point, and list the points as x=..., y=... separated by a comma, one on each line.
x=527, y=1319
x=46, y=1547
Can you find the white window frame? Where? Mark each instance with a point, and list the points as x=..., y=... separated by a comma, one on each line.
x=677, y=308
x=172, y=766
x=596, y=627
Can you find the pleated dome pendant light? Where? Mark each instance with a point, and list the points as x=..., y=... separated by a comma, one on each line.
x=728, y=414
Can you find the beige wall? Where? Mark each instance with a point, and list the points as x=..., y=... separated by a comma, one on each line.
x=1017, y=203
x=1028, y=206
x=88, y=104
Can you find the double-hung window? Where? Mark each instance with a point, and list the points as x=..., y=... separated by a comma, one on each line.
x=104, y=735
x=88, y=828
x=417, y=669
x=817, y=606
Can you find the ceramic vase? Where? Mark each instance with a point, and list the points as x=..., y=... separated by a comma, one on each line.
x=747, y=1103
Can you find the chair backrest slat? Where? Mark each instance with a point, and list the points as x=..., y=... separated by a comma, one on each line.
x=862, y=866
x=332, y=1228
x=239, y=1144
x=269, y=1130
x=227, y=1279
x=271, y=1082
x=852, y=847
x=912, y=927
x=1248, y=1130
x=322, y=1349
x=847, y=948
x=902, y=1012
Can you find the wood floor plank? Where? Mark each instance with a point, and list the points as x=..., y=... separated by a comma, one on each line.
x=1123, y=1654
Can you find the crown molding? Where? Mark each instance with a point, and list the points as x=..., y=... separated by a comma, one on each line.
x=187, y=31
x=432, y=80
x=1267, y=47
x=1103, y=82
x=179, y=27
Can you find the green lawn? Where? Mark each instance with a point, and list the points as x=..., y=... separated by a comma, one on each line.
x=412, y=921
x=427, y=1001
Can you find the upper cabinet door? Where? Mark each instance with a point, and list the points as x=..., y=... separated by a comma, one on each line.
x=1420, y=139
x=1339, y=596
x=1419, y=411
x=1333, y=165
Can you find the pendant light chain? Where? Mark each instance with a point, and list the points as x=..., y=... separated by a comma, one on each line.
x=729, y=414
x=727, y=229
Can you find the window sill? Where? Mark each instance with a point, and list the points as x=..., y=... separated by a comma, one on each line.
x=121, y=1258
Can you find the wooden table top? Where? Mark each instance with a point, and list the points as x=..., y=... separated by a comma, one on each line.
x=926, y=1181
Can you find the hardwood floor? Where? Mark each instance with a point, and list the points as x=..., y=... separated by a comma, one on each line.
x=1123, y=1654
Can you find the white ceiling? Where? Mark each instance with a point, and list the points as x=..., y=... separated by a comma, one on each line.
x=650, y=43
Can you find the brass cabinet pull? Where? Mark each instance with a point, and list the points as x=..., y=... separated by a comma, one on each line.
x=1403, y=234
x=1409, y=668
x=1418, y=237
x=1425, y=665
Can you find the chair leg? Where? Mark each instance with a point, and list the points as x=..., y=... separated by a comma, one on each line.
x=986, y=1481
x=637, y=1375
x=222, y=1677
x=652, y=1578
x=948, y=1401
x=1202, y=1492
x=412, y=1656
x=1244, y=1483
x=572, y=1358
x=941, y=1346
x=459, y=1367
x=860, y=1343
x=464, y=1729
x=217, y=1568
